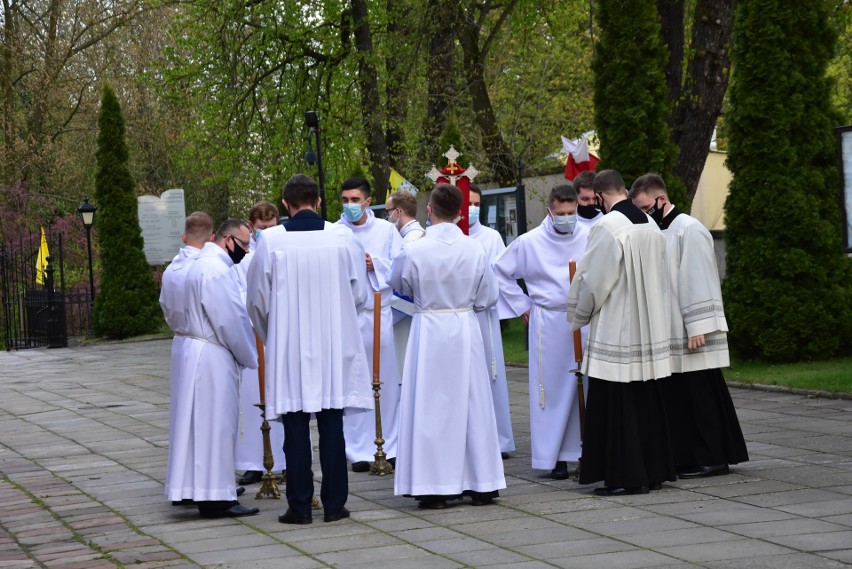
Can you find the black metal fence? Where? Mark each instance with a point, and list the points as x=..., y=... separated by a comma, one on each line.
x=39, y=312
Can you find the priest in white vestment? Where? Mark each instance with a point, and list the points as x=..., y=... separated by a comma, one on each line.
x=382, y=242
x=706, y=434
x=489, y=323
x=588, y=213
x=248, y=456
x=621, y=291
x=198, y=230
x=219, y=341
x=541, y=257
x=448, y=433
x=402, y=214
x=306, y=284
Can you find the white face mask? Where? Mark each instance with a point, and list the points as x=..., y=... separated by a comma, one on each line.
x=473, y=214
x=564, y=223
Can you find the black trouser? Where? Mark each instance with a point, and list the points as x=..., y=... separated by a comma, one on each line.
x=297, y=452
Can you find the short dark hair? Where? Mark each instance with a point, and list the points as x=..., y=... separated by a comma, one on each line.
x=564, y=193
x=647, y=183
x=446, y=201
x=475, y=188
x=300, y=190
x=609, y=182
x=357, y=184
x=585, y=179
x=405, y=201
x=229, y=227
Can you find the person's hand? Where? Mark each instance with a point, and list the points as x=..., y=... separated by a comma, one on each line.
x=695, y=342
x=369, y=262
x=526, y=318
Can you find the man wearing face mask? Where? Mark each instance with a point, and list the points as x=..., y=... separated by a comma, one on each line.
x=541, y=257
x=249, y=451
x=588, y=213
x=489, y=323
x=705, y=431
x=220, y=342
x=619, y=289
x=382, y=242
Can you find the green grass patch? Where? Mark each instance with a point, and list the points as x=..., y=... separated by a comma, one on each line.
x=834, y=376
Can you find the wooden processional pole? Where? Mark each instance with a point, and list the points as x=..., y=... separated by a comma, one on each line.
x=381, y=466
x=268, y=486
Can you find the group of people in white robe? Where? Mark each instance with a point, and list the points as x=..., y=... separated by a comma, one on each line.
x=646, y=300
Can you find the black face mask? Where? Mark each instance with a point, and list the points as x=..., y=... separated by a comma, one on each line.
x=237, y=254
x=588, y=211
x=656, y=213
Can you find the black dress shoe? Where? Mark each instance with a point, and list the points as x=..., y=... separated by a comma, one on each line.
x=361, y=466
x=238, y=511
x=432, y=504
x=184, y=502
x=392, y=462
x=240, y=491
x=561, y=471
x=344, y=513
x=250, y=477
x=612, y=491
x=291, y=517
x=656, y=486
x=505, y=455
x=704, y=471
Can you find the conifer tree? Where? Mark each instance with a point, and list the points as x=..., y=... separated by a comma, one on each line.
x=787, y=289
x=126, y=304
x=631, y=96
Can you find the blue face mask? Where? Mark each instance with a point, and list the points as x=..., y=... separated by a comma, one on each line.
x=257, y=234
x=564, y=223
x=352, y=211
x=473, y=214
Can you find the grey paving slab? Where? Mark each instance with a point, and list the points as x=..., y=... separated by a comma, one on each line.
x=84, y=435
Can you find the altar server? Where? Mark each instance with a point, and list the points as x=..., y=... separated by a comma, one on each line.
x=382, y=242
x=541, y=257
x=219, y=341
x=706, y=434
x=448, y=445
x=306, y=284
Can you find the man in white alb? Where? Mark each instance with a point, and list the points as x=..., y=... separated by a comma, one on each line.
x=448, y=444
x=541, y=257
x=382, y=243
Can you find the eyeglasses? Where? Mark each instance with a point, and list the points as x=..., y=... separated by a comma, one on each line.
x=391, y=210
x=243, y=244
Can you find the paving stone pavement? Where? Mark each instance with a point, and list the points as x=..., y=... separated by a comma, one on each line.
x=84, y=433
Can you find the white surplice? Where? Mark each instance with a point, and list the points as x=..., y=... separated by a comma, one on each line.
x=403, y=309
x=219, y=341
x=621, y=290
x=698, y=308
x=305, y=290
x=447, y=433
x=489, y=323
x=382, y=242
x=541, y=257
x=173, y=303
x=248, y=455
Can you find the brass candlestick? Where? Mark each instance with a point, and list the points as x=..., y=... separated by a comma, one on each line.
x=268, y=486
x=380, y=466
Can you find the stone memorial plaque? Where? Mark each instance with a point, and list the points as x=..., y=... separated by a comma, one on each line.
x=162, y=221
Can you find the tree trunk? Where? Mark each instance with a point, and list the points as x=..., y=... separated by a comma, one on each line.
x=501, y=163
x=370, y=105
x=439, y=75
x=697, y=109
x=397, y=107
x=671, y=20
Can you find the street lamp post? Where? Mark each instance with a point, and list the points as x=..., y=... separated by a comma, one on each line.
x=311, y=157
x=87, y=215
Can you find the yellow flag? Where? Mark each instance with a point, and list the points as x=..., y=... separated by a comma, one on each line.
x=397, y=182
x=41, y=262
